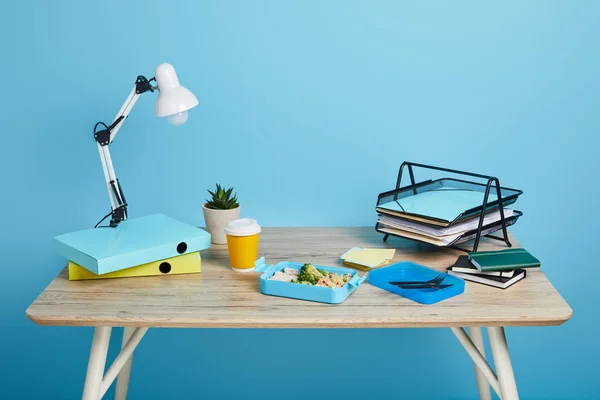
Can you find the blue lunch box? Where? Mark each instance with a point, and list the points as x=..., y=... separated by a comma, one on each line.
x=306, y=292
x=409, y=271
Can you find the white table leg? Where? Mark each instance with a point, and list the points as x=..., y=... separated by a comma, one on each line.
x=479, y=361
x=96, y=364
x=482, y=384
x=504, y=370
x=123, y=378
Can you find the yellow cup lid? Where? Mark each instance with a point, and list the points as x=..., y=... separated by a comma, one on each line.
x=242, y=227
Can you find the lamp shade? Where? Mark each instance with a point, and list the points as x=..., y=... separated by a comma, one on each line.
x=172, y=97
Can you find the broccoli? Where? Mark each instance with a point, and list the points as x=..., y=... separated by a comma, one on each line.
x=309, y=274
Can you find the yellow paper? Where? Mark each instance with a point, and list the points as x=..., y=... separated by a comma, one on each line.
x=186, y=264
x=369, y=258
x=362, y=267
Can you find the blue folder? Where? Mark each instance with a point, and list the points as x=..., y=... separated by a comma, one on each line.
x=133, y=242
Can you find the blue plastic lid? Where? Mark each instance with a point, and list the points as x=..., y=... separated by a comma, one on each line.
x=389, y=278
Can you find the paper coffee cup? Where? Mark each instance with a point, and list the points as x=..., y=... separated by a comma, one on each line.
x=242, y=243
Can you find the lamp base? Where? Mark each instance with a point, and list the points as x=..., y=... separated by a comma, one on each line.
x=118, y=215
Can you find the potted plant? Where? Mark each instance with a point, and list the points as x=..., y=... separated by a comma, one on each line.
x=219, y=211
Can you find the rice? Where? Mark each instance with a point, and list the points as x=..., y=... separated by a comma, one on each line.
x=288, y=275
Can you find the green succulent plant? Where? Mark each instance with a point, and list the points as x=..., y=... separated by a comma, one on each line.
x=221, y=199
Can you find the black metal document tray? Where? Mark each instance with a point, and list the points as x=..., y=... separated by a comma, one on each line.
x=504, y=197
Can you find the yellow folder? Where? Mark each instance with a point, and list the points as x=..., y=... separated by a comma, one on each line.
x=187, y=264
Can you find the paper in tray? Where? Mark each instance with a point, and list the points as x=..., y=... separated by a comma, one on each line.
x=456, y=239
x=306, y=292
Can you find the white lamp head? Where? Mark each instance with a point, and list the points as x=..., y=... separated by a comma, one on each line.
x=173, y=99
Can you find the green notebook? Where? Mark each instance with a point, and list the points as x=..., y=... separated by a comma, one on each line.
x=500, y=260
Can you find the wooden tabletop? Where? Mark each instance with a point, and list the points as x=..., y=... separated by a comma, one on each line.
x=221, y=298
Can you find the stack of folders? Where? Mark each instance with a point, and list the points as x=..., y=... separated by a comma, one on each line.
x=501, y=268
x=147, y=246
x=445, y=215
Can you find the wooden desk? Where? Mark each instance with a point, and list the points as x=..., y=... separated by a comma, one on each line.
x=221, y=298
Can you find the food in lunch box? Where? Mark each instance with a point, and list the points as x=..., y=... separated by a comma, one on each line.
x=288, y=275
x=309, y=275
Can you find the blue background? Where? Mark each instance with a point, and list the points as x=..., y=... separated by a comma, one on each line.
x=302, y=104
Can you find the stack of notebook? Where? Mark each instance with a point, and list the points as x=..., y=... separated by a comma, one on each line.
x=501, y=268
x=153, y=245
x=443, y=212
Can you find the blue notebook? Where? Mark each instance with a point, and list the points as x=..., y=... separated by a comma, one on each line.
x=133, y=242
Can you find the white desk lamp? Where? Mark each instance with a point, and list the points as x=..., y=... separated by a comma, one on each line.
x=173, y=102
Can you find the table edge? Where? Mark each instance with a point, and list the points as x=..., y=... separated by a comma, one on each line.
x=174, y=323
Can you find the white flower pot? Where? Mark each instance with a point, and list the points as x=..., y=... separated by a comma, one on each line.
x=216, y=221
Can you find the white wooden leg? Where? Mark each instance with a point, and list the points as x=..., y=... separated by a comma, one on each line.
x=506, y=376
x=96, y=364
x=479, y=361
x=123, y=378
x=482, y=384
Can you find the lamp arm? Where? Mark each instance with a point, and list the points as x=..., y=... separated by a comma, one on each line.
x=142, y=85
x=105, y=137
x=123, y=114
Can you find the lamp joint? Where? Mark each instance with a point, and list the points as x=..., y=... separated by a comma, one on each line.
x=143, y=85
x=102, y=137
x=119, y=214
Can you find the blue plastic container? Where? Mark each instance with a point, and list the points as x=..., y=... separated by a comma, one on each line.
x=409, y=271
x=306, y=292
